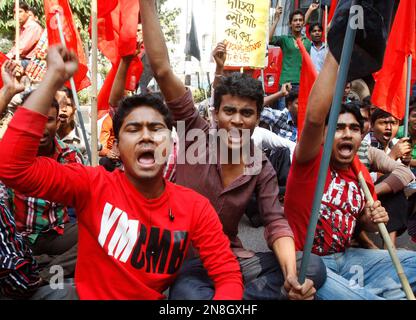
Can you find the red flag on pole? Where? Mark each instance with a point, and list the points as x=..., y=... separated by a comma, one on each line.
x=117, y=37
x=390, y=88
x=3, y=59
x=308, y=76
x=72, y=38
x=332, y=10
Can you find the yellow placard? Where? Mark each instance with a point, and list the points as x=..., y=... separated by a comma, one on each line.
x=243, y=25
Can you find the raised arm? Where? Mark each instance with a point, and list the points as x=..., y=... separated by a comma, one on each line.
x=117, y=89
x=220, y=56
x=276, y=19
x=11, y=84
x=157, y=52
x=318, y=106
x=20, y=167
x=313, y=6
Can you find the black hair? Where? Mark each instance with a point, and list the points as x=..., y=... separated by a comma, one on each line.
x=354, y=109
x=240, y=85
x=294, y=13
x=55, y=103
x=68, y=93
x=128, y=104
x=379, y=114
x=366, y=103
x=315, y=24
x=24, y=6
x=292, y=96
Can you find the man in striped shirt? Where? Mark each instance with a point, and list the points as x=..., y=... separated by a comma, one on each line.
x=45, y=224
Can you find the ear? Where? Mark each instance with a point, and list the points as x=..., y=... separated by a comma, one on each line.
x=115, y=146
x=215, y=115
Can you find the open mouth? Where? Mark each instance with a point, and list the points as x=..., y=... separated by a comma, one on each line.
x=146, y=158
x=235, y=137
x=63, y=116
x=346, y=149
x=387, y=136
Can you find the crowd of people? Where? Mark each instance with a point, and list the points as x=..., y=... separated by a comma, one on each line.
x=159, y=217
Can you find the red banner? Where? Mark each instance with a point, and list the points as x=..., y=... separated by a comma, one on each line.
x=71, y=36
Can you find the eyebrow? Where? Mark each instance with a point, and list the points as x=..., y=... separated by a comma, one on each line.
x=150, y=124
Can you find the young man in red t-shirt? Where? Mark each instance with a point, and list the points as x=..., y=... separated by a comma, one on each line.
x=135, y=228
x=353, y=273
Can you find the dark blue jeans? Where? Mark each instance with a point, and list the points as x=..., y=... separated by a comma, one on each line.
x=263, y=278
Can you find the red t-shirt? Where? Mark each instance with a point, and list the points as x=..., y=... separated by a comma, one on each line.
x=129, y=247
x=341, y=205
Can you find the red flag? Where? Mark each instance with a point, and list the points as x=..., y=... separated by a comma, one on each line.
x=104, y=94
x=3, y=59
x=72, y=38
x=308, y=76
x=332, y=10
x=357, y=167
x=390, y=89
x=117, y=37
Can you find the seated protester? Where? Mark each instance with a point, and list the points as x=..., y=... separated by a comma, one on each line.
x=229, y=186
x=343, y=206
x=121, y=215
x=68, y=131
x=384, y=129
x=411, y=161
x=110, y=158
x=397, y=178
x=19, y=271
x=46, y=224
x=284, y=122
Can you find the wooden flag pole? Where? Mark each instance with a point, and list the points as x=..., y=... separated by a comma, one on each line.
x=94, y=110
x=17, y=40
x=329, y=141
x=389, y=244
x=326, y=24
x=408, y=82
x=74, y=91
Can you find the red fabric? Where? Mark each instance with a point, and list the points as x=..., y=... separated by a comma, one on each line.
x=390, y=88
x=129, y=247
x=332, y=10
x=308, y=76
x=104, y=94
x=342, y=203
x=357, y=166
x=3, y=59
x=72, y=38
x=117, y=29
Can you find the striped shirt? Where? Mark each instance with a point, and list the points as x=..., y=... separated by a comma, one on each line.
x=19, y=277
x=35, y=216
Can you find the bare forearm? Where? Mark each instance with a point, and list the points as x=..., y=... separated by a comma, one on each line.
x=157, y=52
x=273, y=28
x=6, y=95
x=219, y=72
x=117, y=90
x=284, y=249
x=268, y=100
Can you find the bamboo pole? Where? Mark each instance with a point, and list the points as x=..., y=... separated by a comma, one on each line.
x=329, y=141
x=389, y=244
x=17, y=36
x=326, y=24
x=94, y=129
x=74, y=91
x=408, y=82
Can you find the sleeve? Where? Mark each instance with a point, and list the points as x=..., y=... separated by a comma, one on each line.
x=272, y=141
x=39, y=177
x=216, y=255
x=275, y=222
x=187, y=117
x=400, y=175
x=277, y=41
